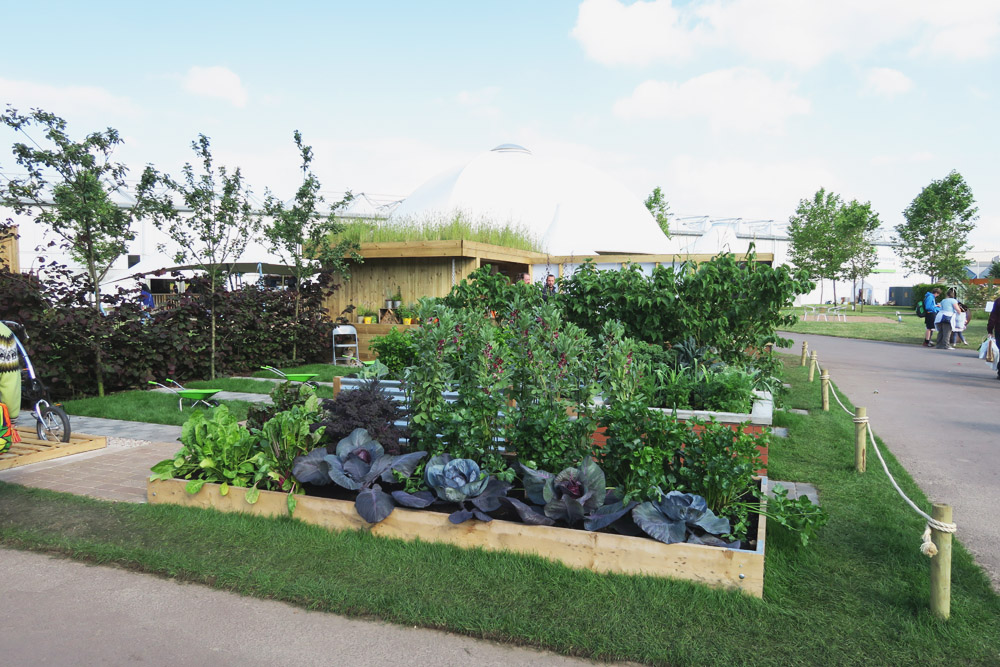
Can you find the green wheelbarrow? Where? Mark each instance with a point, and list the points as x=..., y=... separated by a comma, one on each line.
x=196, y=396
x=293, y=377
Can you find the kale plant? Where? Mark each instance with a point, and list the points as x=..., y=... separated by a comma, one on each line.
x=368, y=407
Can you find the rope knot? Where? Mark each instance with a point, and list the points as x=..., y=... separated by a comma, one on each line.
x=860, y=420
x=927, y=547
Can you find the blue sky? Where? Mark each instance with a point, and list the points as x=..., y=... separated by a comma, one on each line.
x=735, y=108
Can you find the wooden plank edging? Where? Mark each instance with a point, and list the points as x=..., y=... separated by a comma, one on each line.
x=602, y=552
x=33, y=450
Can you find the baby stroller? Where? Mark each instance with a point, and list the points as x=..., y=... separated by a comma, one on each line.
x=52, y=422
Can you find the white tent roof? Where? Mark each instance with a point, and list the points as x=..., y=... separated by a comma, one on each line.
x=571, y=208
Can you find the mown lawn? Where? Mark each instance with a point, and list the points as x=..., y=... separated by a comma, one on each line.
x=858, y=595
x=152, y=407
x=909, y=331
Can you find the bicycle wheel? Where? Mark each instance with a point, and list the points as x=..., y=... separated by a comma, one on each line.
x=54, y=426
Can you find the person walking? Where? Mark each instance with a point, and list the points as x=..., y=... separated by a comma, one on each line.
x=931, y=309
x=945, y=320
x=961, y=322
x=993, y=326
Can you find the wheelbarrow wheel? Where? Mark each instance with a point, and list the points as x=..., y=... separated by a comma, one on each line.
x=54, y=426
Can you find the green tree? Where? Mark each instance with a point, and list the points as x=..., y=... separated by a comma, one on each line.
x=813, y=243
x=934, y=238
x=856, y=227
x=215, y=227
x=303, y=237
x=660, y=209
x=994, y=271
x=69, y=187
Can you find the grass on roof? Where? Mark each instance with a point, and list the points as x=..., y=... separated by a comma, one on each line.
x=441, y=229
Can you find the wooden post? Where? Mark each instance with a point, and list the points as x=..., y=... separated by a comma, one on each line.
x=805, y=353
x=336, y=385
x=860, y=439
x=813, y=363
x=824, y=381
x=941, y=565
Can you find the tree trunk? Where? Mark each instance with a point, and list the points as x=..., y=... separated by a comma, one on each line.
x=98, y=353
x=211, y=296
x=295, y=331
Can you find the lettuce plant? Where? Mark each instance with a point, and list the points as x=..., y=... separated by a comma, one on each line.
x=676, y=515
x=359, y=462
x=458, y=481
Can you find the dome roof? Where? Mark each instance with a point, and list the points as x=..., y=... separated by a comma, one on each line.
x=570, y=207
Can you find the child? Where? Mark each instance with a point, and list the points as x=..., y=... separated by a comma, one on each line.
x=961, y=320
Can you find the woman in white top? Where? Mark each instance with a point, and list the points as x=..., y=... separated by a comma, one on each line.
x=945, y=320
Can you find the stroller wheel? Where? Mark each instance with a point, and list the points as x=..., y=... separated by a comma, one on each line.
x=54, y=426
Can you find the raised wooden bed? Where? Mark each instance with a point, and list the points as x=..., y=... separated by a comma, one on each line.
x=602, y=552
x=33, y=450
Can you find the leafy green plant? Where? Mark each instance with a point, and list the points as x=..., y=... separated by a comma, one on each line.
x=549, y=413
x=290, y=434
x=396, y=350
x=218, y=450
x=715, y=462
x=284, y=396
x=358, y=464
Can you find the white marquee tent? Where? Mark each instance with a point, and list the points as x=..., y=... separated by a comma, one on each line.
x=571, y=208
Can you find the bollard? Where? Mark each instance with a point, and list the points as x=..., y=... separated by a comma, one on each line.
x=805, y=353
x=941, y=565
x=860, y=439
x=824, y=381
x=813, y=363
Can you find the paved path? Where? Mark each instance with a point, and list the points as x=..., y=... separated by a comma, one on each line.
x=60, y=612
x=939, y=413
x=112, y=427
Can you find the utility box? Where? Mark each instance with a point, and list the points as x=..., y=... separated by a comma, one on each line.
x=901, y=296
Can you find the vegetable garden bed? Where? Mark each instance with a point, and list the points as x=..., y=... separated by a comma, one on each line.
x=719, y=567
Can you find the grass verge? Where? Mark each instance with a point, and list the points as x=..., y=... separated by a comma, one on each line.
x=325, y=372
x=152, y=407
x=857, y=596
x=909, y=331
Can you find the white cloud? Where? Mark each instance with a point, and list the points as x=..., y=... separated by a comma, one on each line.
x=61, y=99
x=216, y=82
x=739, y=99
x=908, y=158
x=637, y=34
x=886, y=82
x=743, y=188
x=480, y=102
x=802, y=34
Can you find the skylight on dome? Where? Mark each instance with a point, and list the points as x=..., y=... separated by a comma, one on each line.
x=511, y=148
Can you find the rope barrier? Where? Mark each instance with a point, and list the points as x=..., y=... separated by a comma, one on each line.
x=926, y=547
